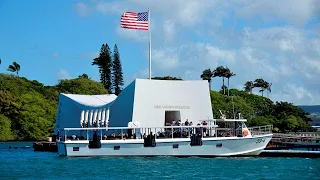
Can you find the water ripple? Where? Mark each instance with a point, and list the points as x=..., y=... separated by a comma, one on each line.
x=26, y=164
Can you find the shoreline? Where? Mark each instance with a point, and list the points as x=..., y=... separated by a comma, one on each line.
x=17, y=141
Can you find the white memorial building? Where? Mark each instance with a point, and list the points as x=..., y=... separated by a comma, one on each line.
x=144, y=102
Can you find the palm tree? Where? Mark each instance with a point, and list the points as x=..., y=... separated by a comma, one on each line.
x=15, y=67
x=228, y=75
x=207, y=74
x=248, y=86
x=262, y=84
x=221, y=72
x=269, y=87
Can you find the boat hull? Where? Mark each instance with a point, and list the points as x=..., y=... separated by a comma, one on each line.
x=215, y=146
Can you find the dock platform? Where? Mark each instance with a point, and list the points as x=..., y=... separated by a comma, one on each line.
x=290, y=153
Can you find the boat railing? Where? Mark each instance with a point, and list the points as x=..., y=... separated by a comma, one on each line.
x=260, y=130
x=113, y=133
x=229, y=132
x=164, y=132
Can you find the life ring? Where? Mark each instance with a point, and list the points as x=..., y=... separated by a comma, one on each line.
x=245, y=132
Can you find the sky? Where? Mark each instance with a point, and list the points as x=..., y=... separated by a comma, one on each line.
x=279, y=42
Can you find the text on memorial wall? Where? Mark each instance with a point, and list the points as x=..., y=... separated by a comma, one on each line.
x=171, y=107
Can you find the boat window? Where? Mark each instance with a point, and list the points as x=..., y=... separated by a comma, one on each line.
x=116, y=147
x=219, y=145
x=175, y=146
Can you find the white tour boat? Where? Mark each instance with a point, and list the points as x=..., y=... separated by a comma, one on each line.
x=151, y=118
x=234, y=139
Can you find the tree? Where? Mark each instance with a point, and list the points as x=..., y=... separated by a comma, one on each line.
x=104, y=63
x=269, y=88
x=223, y=88
x=266, y=86
x=262, y=84
x=166, y=78
x=248, y=86
x=117, y=75
x=5, y=129
x=15, y=67
x=84, y=75
x=291, y=123
x=207, y=74
x=28, y=108
x=228, y=75
x=221, y=72
x=80, y=86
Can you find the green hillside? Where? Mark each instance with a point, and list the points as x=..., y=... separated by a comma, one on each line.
x=28, y=108
x=260, y=110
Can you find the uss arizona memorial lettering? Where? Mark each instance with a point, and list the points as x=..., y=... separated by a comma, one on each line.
x=171, y=107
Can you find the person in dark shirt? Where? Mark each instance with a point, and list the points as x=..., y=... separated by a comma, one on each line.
x=186, y=123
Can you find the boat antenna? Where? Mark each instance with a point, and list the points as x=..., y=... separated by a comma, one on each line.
x=223, y=117
x=234, y=115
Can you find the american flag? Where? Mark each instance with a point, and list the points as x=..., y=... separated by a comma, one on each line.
x=134, y=20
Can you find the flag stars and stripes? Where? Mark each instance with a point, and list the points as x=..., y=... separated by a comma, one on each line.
x=134, y=20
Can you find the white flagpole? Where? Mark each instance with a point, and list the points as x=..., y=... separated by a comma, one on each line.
x=149, y=32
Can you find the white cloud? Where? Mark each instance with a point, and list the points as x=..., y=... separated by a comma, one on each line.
x=214, y=54
x=107, y=7
x=285, y=38
x=63, y=74
x=315, y=64
x=189, y=74
x=142, y=74
x=298, y=94
x=296, y=12
x=261, y=55
x=169, y=29
x=185, y=12
x=82, y=9
x=296, y=56
x=275, y=43
x=165, y=59
x=141, y=36
x=190, y=12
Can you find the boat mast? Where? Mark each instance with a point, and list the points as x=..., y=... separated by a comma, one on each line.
x=234, y=115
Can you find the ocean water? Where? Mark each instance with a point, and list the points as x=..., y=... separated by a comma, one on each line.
x=23, y=163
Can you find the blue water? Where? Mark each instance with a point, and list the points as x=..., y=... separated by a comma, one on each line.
x=26, y=164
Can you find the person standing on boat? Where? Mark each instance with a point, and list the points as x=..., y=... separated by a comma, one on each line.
x=191, y=129
x=186, y=123
x=204, y=129
x=198, y=129
x=173, y=122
